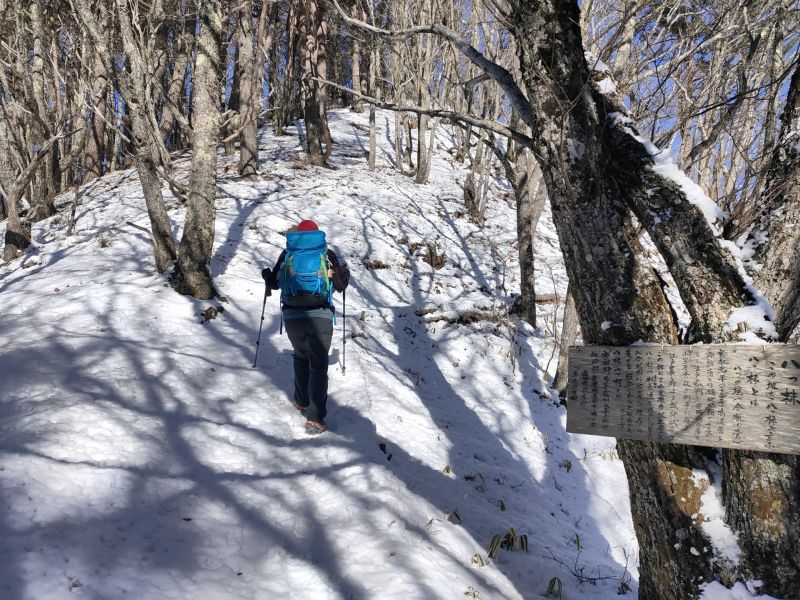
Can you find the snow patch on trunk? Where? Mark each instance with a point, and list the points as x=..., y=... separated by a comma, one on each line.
x=740, y=591
x=724, y=540
x=758, y=318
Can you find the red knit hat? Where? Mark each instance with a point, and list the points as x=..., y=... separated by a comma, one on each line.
x=307, y=225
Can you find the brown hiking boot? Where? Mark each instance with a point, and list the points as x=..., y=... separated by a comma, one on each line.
x=315, y=427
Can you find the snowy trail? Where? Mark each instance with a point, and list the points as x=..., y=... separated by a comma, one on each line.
x=141, y=456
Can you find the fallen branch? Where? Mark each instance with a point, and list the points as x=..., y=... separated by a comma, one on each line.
x=465, y=317
x=145, y=229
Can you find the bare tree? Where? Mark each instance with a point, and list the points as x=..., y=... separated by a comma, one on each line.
x=194, y=252
x=95, y=156
x=132, y=82
x=313, y=28
x=255, y=44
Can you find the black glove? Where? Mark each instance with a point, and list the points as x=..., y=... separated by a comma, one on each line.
x=266, y=274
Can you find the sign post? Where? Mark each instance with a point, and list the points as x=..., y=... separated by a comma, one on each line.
x=721, y=395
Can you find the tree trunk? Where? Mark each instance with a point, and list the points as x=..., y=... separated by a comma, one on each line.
x=43, y=196
x=617, y=296
x=234, y=67
x=306, y=28
x=18, y=234
x=144, y=154
x=160, y=227
x=321, y=60
x=312, y=30
x=356, y=104
x=762, y=491
x=197, y=242
x=286, y=108
x=423, y=58
x=664, y=492
x=569, y=333
x=249, y=91
x=134, y=111
x=777, y=232
x=409, y=139
x=95, y=161
x=398, y=141
x=375, y=91
x=530, y=195
x=169, y=126
x=273, y=47
x=423, y=160
x=762, y=501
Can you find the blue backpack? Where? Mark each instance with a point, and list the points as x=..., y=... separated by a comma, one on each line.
x=305, y=277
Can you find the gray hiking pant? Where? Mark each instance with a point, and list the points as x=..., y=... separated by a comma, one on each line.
x=311, y=339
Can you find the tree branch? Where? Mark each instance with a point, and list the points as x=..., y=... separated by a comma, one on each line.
x=486, y=124
x=24, y=178
x=499, y=74
x=238, y=131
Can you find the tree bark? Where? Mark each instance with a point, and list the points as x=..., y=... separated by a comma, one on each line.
x=356, y=104
x=234, y=66
x=286, y=107
x=569, y=333
x=375, y=90
x=43, y=196
x=321, y=62
x=194, y=252
x=618, y=299
x=249, y=90
x=530, y=195
x=272, y=46
x=94, y=159
x=164, y=251
x=313, y=32
x=169, y=126
x=762, y=491
x=18, y=231
x=706, y=274
x=776, y=235
x=398, y=142
x=18, y=234
x=423, y=160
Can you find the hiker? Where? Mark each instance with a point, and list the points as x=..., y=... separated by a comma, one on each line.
x=307, y=280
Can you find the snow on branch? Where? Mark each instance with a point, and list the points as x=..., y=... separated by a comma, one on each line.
x=683, y=223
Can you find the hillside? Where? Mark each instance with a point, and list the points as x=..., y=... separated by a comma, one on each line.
x=144, y=457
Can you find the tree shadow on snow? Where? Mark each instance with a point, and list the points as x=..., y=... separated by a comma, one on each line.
x=478, y=454
x=172, y=484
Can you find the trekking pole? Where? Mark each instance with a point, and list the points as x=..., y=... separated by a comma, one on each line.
x=344, y=337
x=267, y=292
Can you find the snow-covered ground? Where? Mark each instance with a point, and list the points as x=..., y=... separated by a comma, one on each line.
x=142, y=456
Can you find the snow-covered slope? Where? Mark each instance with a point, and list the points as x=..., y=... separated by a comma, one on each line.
x=142, y=456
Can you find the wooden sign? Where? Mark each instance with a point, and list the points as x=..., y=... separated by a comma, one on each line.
x=729, y=396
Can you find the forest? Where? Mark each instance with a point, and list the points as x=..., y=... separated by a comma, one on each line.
x=658, y=141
